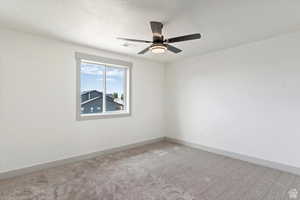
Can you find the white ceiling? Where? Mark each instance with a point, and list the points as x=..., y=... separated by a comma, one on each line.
x=97, y=23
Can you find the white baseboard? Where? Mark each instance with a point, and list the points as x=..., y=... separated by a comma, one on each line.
x=26, y=170
x=258, y=161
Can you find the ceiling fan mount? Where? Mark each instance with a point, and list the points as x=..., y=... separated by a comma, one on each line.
x=159, y=44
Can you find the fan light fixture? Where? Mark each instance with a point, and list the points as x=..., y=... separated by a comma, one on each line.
x=159, y=44
x=158, y=49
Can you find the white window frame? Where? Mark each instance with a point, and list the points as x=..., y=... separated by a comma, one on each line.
x=108, y=62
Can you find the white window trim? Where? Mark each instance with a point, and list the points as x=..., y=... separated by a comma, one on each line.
x=107, y=62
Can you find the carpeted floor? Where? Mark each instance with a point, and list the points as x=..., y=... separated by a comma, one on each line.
x=161, y=171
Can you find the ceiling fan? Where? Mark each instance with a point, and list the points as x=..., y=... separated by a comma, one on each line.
x=159, y=44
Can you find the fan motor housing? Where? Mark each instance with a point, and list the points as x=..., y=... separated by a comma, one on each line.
x=158, y=39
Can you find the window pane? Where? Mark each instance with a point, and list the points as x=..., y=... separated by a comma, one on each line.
x=115, y=86
x=91, y=88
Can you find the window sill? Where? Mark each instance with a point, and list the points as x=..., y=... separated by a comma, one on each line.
x=81, y=117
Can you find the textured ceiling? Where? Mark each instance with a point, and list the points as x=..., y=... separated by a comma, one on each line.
x=97, y=23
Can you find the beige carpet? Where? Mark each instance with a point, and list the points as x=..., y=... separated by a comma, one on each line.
x=161, y=171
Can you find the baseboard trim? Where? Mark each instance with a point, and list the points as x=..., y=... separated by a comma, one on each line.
x=56, y=163
x=258, y=161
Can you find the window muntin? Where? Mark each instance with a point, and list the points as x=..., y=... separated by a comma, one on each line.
x=103, y=88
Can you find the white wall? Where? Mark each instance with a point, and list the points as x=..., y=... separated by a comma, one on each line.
x=38, y=97
x=244, y=100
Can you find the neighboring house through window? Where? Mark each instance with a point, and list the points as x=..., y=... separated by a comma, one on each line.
x=103, y=87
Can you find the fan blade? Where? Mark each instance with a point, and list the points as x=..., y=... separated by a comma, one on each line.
x=183, y=38
x=134, y=40
x=145, y=50
x=156, y=28
x=173, y=49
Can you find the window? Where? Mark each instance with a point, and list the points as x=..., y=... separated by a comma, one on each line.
x=103, y=87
